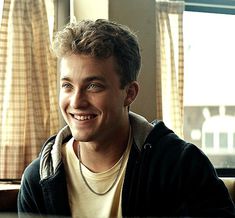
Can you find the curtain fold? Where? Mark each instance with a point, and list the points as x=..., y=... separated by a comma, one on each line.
x=28, y=84
x=170, y=63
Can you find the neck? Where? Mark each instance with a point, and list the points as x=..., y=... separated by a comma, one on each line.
x=101, y=156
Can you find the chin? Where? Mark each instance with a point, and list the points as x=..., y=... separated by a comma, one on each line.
x=80, y=137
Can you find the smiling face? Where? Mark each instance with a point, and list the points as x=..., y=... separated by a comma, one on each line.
x=91, y=100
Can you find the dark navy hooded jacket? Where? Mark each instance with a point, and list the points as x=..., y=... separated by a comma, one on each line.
x=165, y=177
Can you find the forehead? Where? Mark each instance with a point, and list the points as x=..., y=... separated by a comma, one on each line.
x=85, y=65
x=88, y=63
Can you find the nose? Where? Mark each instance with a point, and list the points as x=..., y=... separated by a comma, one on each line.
x=79, y=100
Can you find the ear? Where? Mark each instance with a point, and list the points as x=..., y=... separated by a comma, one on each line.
x=132, y=90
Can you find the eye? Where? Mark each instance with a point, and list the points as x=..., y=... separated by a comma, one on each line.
x=92, y=86
x=66, y=85
x=95, y=87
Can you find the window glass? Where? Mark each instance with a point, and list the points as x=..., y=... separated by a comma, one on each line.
x=223, y=140
x=209, y=140
x=209, y=90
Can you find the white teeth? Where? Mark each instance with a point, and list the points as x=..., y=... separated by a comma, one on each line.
x=81, y=118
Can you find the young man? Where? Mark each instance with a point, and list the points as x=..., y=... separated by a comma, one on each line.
x=108, y=161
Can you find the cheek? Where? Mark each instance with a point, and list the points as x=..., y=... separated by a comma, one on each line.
x=114, y=104
x=63, y=101
x=100, y=101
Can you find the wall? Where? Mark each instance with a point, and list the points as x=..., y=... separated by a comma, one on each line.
x=139, y=15
x=89, y=9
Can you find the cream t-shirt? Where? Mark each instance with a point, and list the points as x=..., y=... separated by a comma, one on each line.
x=83, y=202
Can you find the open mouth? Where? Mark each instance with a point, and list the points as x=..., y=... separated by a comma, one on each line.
x=83, y=117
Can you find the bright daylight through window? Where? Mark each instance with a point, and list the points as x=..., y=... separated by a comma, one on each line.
x=209, y=43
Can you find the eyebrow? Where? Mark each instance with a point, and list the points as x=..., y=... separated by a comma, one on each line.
x=88, y=79
x=66, y=78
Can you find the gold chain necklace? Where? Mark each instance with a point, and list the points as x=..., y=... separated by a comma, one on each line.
x=87, y=184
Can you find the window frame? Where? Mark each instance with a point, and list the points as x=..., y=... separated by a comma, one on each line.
x=211, y=6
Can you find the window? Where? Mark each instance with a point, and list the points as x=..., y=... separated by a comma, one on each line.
x=209, y=92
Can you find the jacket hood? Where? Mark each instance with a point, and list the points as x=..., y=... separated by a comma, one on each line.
x=50, y=156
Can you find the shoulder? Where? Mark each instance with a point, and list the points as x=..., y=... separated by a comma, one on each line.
x=166, y=139
x=30, y=193
x=32, y=169
x=31, y=176
x=173, y=150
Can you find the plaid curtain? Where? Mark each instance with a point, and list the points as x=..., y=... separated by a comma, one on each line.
x=28, y=84
x=170, y=63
